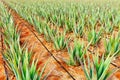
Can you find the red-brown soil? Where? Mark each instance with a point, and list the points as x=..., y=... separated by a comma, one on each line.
x=2, y=69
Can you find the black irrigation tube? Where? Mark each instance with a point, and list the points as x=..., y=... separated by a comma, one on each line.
x=2, y=50
x=46, y=48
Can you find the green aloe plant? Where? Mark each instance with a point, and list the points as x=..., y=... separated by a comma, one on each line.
x=116, y=21
x=75, y=53
x=59, y=42
x=99, y=68
x=54, y=19
x=49, y=34
x=94, y=37
x=112, y=45
x=79, y=29
x=69, y=24
x=39, y=25
x=61, y=20
x=108, y=26
x=93, y=20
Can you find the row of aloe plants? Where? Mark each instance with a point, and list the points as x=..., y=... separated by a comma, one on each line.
x=73, y=14
x=17, y=58
x=88, y=19
x=76, y=19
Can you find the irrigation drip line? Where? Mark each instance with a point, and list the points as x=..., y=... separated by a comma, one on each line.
x=52, y=54
x=45, y=47
x=2, y=49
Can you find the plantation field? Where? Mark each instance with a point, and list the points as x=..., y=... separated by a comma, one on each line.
x=60, y=40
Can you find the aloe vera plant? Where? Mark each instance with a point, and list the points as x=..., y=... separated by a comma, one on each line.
x=76, y=53
x=93, y=20
x=99, y=68
x=94, y=36
x=54, y=19
x=79, y=29
x=49, y=34
x=112, y=45
x=69, y=24
x=59, y=42
x=61, y=20
x=108, y=27
x=116, y=20
x=39, y=25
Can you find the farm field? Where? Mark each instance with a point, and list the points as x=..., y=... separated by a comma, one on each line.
x=59, y=40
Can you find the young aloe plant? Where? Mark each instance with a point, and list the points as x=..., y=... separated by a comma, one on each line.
x=49, y=34
x=79, y=29
x=76, y=53
x=108, y=27
x=59, y=42
x=116, y=20
x=94, y=37
x=39, y=25
x=61, y=20
x=93, y=20
x=99, y=68
x=112, y=45
x=54, y=19
x=69, y=24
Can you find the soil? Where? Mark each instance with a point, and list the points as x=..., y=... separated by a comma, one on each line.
x=2, y=69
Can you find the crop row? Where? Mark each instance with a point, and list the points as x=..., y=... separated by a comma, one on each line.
x=17, y=58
